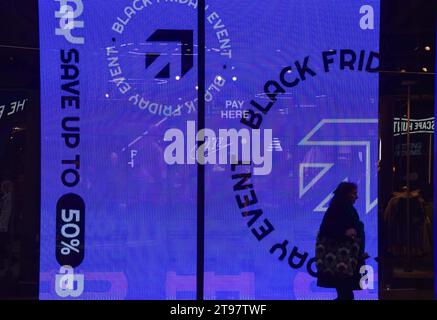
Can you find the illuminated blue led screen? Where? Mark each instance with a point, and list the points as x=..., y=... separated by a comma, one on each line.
x=117, y=75
x=435, y=191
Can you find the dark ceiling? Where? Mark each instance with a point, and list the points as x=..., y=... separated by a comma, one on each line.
x=407, y=27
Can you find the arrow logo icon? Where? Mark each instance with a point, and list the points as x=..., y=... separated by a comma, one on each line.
x=309, y=141
x=185, y=38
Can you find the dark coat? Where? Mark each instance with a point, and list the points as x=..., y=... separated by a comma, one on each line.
x=338, y=219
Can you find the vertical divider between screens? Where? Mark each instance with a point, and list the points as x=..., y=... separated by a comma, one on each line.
x=200, y=167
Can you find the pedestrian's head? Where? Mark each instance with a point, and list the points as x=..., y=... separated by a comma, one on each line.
x=345, y=193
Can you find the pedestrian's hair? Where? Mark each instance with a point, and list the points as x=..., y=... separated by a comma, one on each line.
x=341, y=193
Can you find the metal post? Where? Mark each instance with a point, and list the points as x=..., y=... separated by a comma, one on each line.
x=408, y=266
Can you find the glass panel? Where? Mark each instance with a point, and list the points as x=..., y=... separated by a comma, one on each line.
x=306, y=71
x=113, y=82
